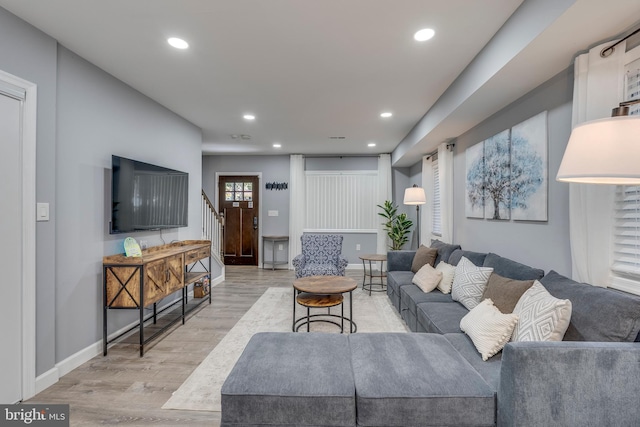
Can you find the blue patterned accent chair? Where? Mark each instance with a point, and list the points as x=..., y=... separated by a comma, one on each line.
x=321, y=256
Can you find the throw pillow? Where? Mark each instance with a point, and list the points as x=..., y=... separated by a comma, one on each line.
x=469, y=282
x=427, y=278
x=424, y=255
x=504, y=292
x=488, y=328
x=448, y=271
x=543, y=317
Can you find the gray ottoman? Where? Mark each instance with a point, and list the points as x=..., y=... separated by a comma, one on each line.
x=290, y=379
x=417, y=380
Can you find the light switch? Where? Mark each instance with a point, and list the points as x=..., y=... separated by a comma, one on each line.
x=42, y=212
x=273, y=213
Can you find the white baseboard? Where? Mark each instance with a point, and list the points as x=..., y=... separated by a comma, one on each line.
x=67, y=365
x=47, y=379
x=213, y=282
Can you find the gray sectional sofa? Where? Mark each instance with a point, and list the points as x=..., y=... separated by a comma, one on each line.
x=436, y=377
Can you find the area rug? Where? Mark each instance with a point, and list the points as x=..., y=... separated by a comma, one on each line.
x=272, y=313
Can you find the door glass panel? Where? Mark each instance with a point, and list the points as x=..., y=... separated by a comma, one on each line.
x=228, y=186
x=228, y=196
x=248, y=196
x=248, y=186
x=238, y=196
x=238, y=186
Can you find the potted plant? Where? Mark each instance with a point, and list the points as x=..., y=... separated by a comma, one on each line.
x=396, y=225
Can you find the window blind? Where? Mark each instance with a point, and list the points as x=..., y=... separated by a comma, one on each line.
x=341, y=201
x=626, y=256
x=436, y=216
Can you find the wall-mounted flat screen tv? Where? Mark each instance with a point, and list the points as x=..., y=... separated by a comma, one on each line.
x=147, y=197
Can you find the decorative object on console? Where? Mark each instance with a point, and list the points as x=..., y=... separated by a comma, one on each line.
x=415, y=196
x=131, y=247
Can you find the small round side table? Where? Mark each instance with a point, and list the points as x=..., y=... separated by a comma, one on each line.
x=371, y=273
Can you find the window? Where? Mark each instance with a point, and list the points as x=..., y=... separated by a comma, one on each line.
x=238, y=191
x=436, y=215
x=625, y=268
x=341, y=201
x=626, y=244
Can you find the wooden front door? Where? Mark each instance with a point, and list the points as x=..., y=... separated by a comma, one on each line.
x=239, y=204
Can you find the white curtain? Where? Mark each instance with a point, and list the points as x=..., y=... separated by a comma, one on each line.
x=598, y=87
x=296, y=204
x=445, y=173
x=426, y=210
x=384, y=193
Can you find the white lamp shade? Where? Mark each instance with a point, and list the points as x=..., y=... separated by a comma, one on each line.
x=605, y=151
x=414, y=196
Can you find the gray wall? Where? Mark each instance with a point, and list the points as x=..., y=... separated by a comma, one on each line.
x=99, y=116
x=273, y=169
x=276, y=169
x=31, y=55
x=540, y=244
x=84, y=116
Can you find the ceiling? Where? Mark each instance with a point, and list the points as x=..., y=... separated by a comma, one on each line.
x=316, y=73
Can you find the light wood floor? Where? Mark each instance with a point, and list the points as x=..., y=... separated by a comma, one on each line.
x=123, y=388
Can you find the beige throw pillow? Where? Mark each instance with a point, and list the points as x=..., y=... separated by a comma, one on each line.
x=424, y=255
x=488, y=328
x=469, y=282
x=427, y=278
x=504, y=292
x=448, y=271
x=543, y=317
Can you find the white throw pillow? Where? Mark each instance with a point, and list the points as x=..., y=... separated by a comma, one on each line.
x=488, y=328
x=448, y=271
x=469, y=283
x=543, y=317
x=427, y=278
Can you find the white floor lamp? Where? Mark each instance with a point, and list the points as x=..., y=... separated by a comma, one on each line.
x=415, y=196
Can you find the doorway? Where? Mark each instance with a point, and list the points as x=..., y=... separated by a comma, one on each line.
x=17, y=228
x=239, y=203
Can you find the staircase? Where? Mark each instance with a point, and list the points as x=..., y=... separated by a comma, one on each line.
x=213, y=230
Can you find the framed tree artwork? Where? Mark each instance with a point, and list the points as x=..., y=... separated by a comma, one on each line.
x=529, y=170
x=497, y=176
x=474, y=181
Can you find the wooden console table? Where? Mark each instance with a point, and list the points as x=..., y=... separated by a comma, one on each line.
x=139, y=282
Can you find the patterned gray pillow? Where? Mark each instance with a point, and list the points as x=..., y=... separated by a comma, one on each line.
x=469, y=283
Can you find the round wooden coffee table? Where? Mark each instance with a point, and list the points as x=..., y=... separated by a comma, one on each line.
x=323, y=292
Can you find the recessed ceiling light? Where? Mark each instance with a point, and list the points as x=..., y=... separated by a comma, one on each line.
x=178, y=43
x=424, y=34
x=386, y=114
x=276, y=145
x=249, y=117
x=371, y=144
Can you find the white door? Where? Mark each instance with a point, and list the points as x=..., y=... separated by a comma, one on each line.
x=10, y=249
